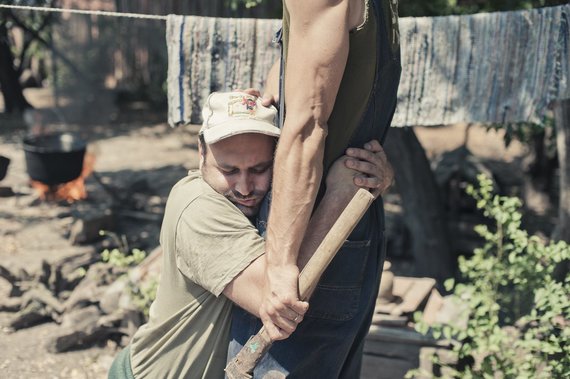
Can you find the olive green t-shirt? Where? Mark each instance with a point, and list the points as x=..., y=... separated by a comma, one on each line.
x=206, y=242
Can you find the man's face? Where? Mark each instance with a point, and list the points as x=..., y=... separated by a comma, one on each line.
x=240, y=168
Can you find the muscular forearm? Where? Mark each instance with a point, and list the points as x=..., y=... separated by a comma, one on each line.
x=326, y=214
x=317, y=53
x=298, y=172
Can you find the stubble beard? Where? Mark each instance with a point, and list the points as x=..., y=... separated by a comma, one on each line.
x=249, y=212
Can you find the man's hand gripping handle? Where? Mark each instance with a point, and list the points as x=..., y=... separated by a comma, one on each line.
x=241, y=367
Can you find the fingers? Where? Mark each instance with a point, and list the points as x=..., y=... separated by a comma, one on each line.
x=281, y=310
x=300, y=308
x=266, y=100
x=275, y=334
x=281, y=320
x=269, y=99
x=371, y=183
x=365, y=155
x=363, y=167
x=250, y=91
x=375, y=171
x=373, y=145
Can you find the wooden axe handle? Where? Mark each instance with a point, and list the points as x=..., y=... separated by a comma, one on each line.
x=241, y=367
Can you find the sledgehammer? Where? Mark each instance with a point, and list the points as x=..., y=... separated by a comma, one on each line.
x=241, y=367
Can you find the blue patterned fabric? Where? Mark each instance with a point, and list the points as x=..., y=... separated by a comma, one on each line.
x=489, y=67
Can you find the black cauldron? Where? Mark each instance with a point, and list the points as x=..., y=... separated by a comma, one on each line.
x=54, y=158
x=4, y=163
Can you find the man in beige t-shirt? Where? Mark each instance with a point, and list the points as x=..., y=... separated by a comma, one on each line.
x=212, y=253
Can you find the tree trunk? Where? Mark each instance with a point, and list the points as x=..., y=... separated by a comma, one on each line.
x=562, y=119
x=424, y=213
x=12, y=92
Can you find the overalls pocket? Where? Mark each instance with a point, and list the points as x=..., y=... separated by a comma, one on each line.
x=337, y=296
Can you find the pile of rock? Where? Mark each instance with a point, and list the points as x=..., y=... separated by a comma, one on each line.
x=89, y=299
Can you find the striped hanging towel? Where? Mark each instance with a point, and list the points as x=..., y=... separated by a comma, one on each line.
x=488, y=68
x=214, y=54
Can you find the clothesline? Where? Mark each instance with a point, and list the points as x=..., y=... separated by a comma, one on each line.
x=526, y=64
x=88, y=12
x=490, y=67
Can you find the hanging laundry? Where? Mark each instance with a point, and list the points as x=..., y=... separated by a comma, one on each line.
x=488, y=67
x=214, y=54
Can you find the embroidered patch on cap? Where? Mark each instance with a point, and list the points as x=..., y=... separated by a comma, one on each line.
x=242, y=106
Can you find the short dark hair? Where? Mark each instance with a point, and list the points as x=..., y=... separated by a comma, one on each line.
x=203, y=145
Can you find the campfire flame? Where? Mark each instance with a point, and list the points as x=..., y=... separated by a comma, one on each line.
x=71, y=191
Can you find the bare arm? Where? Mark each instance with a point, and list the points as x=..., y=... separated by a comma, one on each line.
x=271, y=90
x=317, y=54
x=318, y=49
x=373, y=171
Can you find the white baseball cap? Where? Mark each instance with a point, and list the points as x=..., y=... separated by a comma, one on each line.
x=226, y=114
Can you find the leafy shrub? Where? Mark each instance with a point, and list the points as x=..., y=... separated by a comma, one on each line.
x=517, y=315
x=118, y=258
x=142, y=295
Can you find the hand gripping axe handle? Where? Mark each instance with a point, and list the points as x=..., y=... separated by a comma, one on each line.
x=241, y=367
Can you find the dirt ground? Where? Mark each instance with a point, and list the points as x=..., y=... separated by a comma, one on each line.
x=126, y=151
x=128, y=146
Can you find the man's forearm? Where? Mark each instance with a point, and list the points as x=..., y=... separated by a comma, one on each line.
x=298, y=173
x=317, y=53
x=326, y=214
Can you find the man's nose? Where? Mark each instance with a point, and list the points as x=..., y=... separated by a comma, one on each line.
x=244, y=185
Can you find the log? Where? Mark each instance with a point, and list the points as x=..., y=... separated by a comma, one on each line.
x=32, y=314
x=110, y=300
x=68, y=269
x=44, y=296
x=93, y=286
x=9, y=275
x=79, y=328
x=10, y=304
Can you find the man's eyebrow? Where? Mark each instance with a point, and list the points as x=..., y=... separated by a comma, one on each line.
x=225, y=166
x=229, y=167
x=263, y=164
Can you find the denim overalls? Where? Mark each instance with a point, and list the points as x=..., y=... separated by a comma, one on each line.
x=328, y=343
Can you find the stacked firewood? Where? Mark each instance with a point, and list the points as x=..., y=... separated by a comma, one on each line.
x=88, y=298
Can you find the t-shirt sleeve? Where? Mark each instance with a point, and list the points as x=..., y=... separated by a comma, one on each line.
x=215, y=242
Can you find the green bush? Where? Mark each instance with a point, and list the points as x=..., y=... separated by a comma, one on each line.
x=142, y=295
x=517, y=315
x=118, y=258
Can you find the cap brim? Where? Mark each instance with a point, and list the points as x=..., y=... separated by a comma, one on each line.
x=235, y=127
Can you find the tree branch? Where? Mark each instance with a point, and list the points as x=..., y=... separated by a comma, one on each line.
x=56, y=52
x=28, y=42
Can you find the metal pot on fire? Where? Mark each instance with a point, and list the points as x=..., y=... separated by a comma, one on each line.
x=54, y=158
x=4, y=163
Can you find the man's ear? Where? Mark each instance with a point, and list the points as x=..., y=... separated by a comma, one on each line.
x=201, y=153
